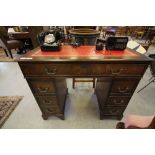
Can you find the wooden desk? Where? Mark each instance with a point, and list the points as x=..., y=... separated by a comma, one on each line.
x=118, y=74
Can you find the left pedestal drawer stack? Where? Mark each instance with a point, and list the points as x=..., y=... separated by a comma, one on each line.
x=49, y=92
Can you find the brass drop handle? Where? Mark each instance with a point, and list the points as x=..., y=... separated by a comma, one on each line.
x=49, y=110
x=51, y=71
x=118, y=102
x=46, y=102
x=118, y=71
x=114, y=112
x=43, y=90
x=123, y=90
x=115, y=72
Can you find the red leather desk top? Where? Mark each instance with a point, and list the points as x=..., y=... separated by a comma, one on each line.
x=83, y=51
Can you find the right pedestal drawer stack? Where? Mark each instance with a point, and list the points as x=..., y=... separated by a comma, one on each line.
x=115, y=91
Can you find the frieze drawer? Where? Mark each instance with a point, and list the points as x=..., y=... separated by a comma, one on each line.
x=125, y=69
x=97, y=69
x=55, y=69
x=41, y=86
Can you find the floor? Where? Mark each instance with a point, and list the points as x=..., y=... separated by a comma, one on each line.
x=81, y=106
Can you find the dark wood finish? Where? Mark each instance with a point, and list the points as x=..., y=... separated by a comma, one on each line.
x=42, y=86
x=117, y=79
x=118, y=101
x=87, y=69
x=50, y=94
x=124, y=85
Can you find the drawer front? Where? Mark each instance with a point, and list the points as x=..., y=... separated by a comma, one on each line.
x=50, y=110
x=98, y=69
x=124, y=85
x=113, y=111
x=117, y=101
x=125, y=69
x=41, y=86
x=55, y=69
x=46, y=69
x=47, y=101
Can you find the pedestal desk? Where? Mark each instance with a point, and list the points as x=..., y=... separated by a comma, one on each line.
x=117, y=75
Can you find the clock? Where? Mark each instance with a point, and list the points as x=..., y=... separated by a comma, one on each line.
x=116, y=43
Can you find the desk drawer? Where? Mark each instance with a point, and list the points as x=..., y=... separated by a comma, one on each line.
x=78, y=69
x=125, y=69
x=41, y=86
x=47, y=101
x=113, y=111
x=118, y=100
x=117, y=69
x=55, y=69
x=124, y=85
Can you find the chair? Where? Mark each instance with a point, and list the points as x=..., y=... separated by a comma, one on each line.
x=146, y=45
x=137, y=122
x=7, y=44
x=138, y=32
x=152, y=69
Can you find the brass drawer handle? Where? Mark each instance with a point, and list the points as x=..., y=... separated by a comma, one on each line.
x=113, y=112
x=47, y=102
x=123, y=90
x=50, y=110
x=118, y=102
x=115, y=72
x=43, y=90
x=118, y=71
x=51, y=72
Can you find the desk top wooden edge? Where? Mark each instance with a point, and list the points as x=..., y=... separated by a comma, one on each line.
x=29, y=58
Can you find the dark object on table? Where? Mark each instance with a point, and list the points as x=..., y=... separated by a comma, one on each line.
x=116, y=43
x=100, y=43
x=84, y=36
x=48, y=47
x=75, y=44
x=54, y=45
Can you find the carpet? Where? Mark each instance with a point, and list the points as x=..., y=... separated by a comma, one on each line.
x=7, y=105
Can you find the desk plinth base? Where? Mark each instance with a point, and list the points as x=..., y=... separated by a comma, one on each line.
x=61, y=116
x=102, y=117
